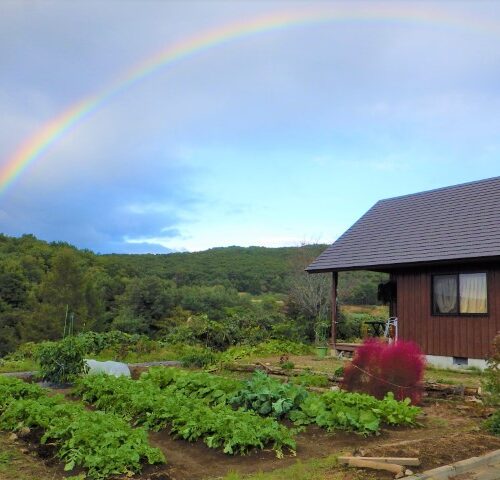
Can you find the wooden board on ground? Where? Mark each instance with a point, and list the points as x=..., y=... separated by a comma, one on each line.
x=406, y=461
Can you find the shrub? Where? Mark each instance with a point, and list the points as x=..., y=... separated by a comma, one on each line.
x=269, y=348
x=349, y=325
x=287, y=365
x=491, y=385
x=352, y=325
x=491, y=376
x=199, y=359
x=61, y=362
x=310, y=380
x=378, y=368
x=493, y=423
x=94, y=342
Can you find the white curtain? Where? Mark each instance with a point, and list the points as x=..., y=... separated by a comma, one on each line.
x=445, y=293
x=473, y=293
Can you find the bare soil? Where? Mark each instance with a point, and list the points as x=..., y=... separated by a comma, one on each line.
x=450, y=432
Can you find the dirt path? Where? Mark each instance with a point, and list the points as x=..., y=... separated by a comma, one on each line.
x=447, y=435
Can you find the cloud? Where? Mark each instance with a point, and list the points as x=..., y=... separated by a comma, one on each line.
x=286, y=132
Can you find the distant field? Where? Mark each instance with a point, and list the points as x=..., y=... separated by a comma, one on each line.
x=373, y=310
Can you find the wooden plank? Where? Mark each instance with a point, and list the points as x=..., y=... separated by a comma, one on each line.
x=493, y=299
x=421, y=317
x=388, y=467
x=430, y=320
x=404, y=461
x=404, y=307
x=414, y=298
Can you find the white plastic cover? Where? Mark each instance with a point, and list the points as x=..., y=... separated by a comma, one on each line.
x=116, y=369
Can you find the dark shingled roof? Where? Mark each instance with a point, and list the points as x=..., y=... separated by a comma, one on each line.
x=446, y=224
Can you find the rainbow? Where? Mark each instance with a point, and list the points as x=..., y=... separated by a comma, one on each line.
x=38, y=144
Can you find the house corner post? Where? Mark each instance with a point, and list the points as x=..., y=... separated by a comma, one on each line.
x=334, y=309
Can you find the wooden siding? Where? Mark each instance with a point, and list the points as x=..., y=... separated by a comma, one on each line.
x=446, y=335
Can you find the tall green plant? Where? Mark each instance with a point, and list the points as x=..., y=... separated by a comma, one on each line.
x=63, y=361
x=491, y=385
x=491, y=376
x=321, y=329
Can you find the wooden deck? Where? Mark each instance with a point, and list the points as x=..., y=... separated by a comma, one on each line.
x=348, y=348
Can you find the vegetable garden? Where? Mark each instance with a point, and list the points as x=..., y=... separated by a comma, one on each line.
x=237, y=417
x=108, y=427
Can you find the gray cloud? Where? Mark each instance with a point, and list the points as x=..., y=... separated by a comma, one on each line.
x=377, y=94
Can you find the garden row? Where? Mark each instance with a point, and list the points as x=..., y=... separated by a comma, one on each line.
x=216, y=423
x=234, y=415
x=101, y=443
x=335, y=410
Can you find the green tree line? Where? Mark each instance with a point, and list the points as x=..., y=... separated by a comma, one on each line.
x=223, y=293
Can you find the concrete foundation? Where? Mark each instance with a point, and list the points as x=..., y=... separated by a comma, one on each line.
x=455, y=362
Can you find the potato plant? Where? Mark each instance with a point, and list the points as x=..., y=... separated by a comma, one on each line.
x=101, y=443
x=212, y=389
x=190, y=418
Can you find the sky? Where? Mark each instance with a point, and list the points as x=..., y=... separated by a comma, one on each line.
x=281, y=137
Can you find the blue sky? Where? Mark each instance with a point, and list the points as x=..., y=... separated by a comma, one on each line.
x=276, y=139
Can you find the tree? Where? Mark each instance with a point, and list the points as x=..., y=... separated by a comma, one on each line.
x=63, y=287
x=149, y=298
x=309, y=295
x=13, y=289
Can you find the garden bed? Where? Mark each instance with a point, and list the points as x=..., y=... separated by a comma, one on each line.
x=446, y=436
x=449, y=431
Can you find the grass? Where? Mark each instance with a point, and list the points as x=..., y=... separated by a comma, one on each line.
x=373, y=310
x=27, y=365
x=5, y=459
x=315, y=469
x=469, y=377
x=20, y=466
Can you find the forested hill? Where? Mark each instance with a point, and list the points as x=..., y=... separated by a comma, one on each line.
x=27, y=260
x=252, y=269
x=42, y=283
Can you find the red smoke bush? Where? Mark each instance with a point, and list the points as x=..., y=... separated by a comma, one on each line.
x=379, y=367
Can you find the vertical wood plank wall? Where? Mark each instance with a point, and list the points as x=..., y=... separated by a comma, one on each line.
x=457, y=336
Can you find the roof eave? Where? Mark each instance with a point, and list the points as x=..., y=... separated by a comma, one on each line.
x=395, y=266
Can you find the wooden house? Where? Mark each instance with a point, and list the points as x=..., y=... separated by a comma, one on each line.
x=441, y=249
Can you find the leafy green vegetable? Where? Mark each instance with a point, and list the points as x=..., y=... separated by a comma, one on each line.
x=102, y=443
x=270, y=347
x=155, y=403
x=356, y=412
x=211, y=388
x=267, y=396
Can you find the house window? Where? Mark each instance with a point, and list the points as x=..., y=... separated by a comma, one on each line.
x=461, y=293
